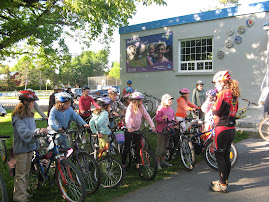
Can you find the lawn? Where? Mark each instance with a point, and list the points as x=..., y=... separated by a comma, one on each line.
x=132, y=181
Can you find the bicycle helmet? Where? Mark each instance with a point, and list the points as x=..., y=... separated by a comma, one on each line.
x=137, y=96
x=168, y=131
x=129, y=82
x=85, y=87
x=27, y=95
x=221, y=76
x=211, y=93
x=199, y=82
x=184, y=91
x=112, y=90
x=103, y=101
x=127, y=95
x=129, y=89
x=63, y=97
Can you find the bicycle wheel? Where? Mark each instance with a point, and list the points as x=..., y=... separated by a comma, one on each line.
x=90, y=171
x=112, y=172
x=148, y=105
x=264, y=129
x=70, y=181
x=147, y=165
x=3, y=189
x=209, y=155
x=3, y=150
x=187, y=153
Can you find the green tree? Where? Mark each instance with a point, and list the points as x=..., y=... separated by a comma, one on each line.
x=115, y=70
x=87, y=64
x=41, y=23
x=229, y=3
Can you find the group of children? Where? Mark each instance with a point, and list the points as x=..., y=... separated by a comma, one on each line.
x=61, y=115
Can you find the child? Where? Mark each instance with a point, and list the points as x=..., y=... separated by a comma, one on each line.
x=183, y=106
x=129, y=84
x=207, y=109
x=163, y=113
x=134, y=113
x=126, y=100
x=62, y=114
x=100, y=121
x=199, y=96
x=24, y=143
x=151, y=59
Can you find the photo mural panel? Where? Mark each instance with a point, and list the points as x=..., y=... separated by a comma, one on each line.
x=150, y=53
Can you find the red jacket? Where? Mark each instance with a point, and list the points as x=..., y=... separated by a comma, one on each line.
x=85, y=104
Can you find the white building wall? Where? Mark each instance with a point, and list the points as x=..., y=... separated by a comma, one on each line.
x=246, y=61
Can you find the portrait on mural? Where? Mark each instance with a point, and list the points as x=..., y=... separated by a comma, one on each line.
x=150, y=53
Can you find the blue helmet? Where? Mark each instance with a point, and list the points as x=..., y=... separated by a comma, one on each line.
x=211, y=93
x=129, y=82
x=129, y=89
x=63, y=97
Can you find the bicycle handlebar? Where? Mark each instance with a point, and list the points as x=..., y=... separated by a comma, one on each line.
x=250, y=102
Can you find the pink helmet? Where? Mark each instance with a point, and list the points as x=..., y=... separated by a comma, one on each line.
x=137, y=96
x=112, y=90
x=184, y=91
x=221, y=76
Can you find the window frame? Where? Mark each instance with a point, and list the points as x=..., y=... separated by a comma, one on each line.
x=192, y=65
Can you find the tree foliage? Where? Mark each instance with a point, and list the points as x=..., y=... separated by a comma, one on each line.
x=87, y=64
x=41, y=23
x=115, y=70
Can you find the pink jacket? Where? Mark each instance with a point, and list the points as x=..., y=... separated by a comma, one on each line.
x=169, y=112
x=133, y=120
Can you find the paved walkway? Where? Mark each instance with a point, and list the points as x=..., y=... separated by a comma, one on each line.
x=249, y=180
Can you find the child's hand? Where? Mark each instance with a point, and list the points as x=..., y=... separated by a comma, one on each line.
x=115, y=113
x=130, y=130
x=86, y=126
x=153, y=130
x=165, y=117
x=100, y=135
x=44, y=130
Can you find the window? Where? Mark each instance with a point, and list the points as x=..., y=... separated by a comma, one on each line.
x=196, y=55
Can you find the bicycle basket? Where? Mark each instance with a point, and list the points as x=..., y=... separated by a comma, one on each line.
x=120, y=137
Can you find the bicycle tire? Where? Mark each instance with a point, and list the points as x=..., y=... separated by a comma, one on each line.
x=209, y=155
x=148, y=104
x=148, y=166
x=90, y=171
x=3, y=150
x=112, y=172
x=3, y=189
x=170, y=150
x=187, y=153
x=264, y=129
x=73, y=188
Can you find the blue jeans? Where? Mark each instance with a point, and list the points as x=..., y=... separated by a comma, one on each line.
x=62, y=141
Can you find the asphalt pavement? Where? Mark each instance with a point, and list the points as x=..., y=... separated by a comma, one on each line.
x=249, y=180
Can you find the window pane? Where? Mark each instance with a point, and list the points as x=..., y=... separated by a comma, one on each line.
x=203, y=56
x=192, y=57
x=192, y=43
x=192, y=50
x=203, y=49
x=203, y=42
x=209, y=48
x=184, y=66
x=187, y=43
x=188, y=58
x=209, y=56
x=200, y=66
x=198, y=42
x=198, y=57
x=198, y=49
x=187, y=50
x=183, y=44
x=209, y=41
x=191, y=66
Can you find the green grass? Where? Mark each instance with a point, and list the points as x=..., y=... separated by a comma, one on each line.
x=132, y=181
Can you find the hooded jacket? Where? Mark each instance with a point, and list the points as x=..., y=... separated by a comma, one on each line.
x=24, y=131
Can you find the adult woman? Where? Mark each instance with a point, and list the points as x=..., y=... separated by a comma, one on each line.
x=25, y=142
x=224, y=110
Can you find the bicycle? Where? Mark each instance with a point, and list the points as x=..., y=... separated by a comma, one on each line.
x=179, y=143
x=3, y=149
x=146, y=162
x=112, y=171
x=3, y=154
x=51, y=165
x=204, y=142
x=243, y=110
x=264, y=129
x=84, y=161
x=148, y=104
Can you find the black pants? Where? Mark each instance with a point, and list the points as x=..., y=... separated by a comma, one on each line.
x=128, y=139
x=224, y=141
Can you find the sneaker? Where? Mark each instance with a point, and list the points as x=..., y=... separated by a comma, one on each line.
x=215, y=182
x=219, y=188
x=164, y=163
x=159, y=166
x=83, y=141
